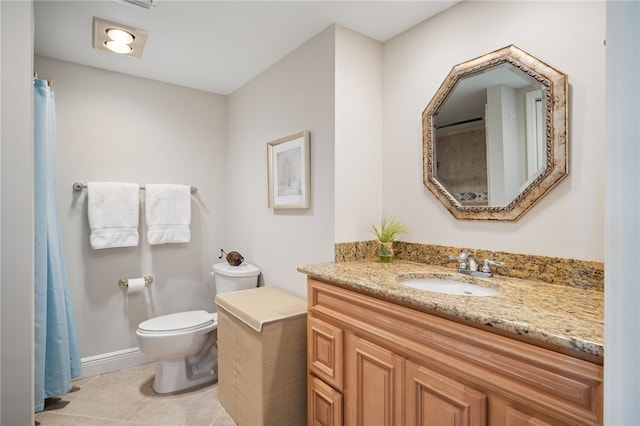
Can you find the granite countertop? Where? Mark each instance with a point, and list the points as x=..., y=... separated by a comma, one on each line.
x=555, y=315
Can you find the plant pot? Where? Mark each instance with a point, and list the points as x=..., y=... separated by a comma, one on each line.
x=385, y=252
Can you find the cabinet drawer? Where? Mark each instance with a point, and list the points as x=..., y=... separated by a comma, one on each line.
x=325, y=352
x=325, y=404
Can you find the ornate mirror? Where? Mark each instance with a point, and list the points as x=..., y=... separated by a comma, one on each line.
x=495, y=135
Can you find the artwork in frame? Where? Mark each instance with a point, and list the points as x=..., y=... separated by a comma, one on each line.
x=289, y=172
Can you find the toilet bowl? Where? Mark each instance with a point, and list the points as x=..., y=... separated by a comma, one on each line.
x=183, y=343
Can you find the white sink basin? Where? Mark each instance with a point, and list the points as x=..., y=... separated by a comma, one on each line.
x=459, y=288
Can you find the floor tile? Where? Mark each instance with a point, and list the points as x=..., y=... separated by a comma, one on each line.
x=127, y=398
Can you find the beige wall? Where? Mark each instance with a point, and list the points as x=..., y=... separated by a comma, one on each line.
x=16, y=153
x=114, y=127
x=295, y=94
x=567, y=222
x=358, y=140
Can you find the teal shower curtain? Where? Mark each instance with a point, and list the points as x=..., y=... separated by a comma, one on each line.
x=57, y=358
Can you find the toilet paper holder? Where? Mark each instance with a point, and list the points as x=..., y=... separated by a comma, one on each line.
x=124, y=282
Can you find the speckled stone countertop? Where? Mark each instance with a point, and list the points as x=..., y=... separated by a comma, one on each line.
x=555, y=316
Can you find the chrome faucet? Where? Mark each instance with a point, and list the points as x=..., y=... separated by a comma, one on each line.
x=466, y=261
x=467, y=264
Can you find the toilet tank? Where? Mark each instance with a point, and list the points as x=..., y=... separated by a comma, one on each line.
x=234, y=278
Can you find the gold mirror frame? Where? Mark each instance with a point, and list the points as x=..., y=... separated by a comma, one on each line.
x=556, y=159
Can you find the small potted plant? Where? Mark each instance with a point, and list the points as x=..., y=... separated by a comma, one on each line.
x=389, y=229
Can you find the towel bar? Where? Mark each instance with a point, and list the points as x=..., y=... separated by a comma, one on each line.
x=79, y=186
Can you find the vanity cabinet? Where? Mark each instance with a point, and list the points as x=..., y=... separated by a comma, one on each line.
x=373, y=362
x=375, y=378
x=434, y=399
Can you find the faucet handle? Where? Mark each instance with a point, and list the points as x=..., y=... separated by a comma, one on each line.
x=487, y=262
x=461, y=259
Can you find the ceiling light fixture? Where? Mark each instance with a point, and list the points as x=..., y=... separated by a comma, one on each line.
x=118, y=47
x=118, y=38
x=120, y=41
x=147, y=4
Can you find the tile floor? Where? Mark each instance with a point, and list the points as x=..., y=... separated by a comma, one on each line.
x=126, y=398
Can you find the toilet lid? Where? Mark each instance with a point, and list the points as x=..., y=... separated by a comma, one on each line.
x=181, y=321
x=242, y=270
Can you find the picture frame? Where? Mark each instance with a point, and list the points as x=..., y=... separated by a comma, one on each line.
x=289, y=172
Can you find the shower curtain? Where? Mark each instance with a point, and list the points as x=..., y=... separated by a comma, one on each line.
x=57, y=358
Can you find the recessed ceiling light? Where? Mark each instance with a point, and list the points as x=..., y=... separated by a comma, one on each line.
x=117, y=47
x=118, y=38
x=120, y=41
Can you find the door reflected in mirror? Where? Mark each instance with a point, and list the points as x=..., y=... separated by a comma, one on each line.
x=495, y=135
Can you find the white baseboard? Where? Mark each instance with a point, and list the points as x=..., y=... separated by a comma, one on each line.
x=113, y=361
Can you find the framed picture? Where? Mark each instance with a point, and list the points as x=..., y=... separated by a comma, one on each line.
x=289, y=172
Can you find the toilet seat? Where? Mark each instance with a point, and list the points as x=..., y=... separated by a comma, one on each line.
x=179, y=322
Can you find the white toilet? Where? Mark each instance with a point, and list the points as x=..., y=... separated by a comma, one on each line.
x=183, y=343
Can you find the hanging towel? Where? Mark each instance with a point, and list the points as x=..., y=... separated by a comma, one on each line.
x=113, y=214
x=168, y=213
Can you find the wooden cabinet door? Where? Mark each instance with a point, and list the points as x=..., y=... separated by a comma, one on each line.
x=324, y=404
x=435, y=400
x=374, y=384
x=518, y=418
x=324, y=351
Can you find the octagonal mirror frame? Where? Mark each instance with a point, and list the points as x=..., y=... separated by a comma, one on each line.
x=554, y=90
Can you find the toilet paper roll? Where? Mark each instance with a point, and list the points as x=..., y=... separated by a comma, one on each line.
x=135, y=285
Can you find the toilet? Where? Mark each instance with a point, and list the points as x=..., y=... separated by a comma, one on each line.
x=183, y=344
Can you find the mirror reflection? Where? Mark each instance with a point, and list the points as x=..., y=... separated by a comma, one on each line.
x=489, y=136
x=494, y=135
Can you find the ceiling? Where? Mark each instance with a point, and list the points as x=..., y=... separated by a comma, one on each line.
x=216, y=46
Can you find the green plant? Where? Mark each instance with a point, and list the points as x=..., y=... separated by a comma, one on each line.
x=389, y=229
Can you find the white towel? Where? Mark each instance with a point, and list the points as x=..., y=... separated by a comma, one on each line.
x=168, y=213
x=113, y=210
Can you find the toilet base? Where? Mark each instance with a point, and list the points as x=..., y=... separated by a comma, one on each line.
x=177, y=374
x=172, y=376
